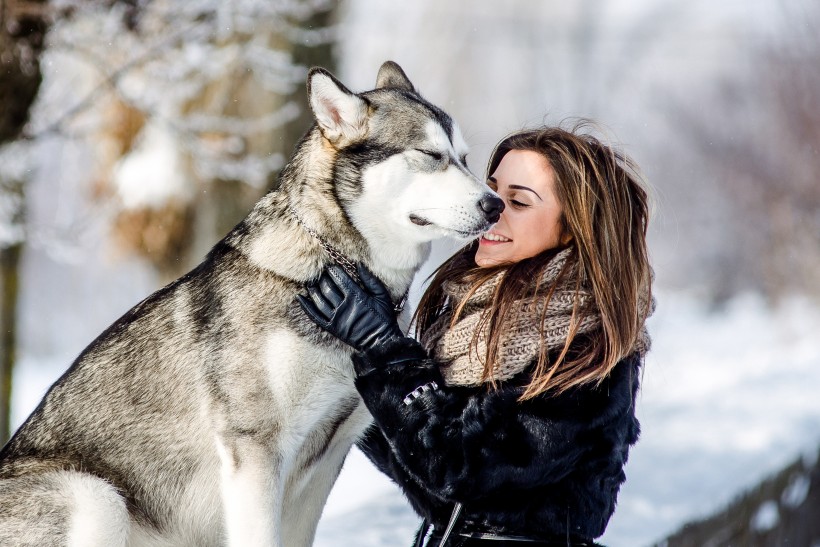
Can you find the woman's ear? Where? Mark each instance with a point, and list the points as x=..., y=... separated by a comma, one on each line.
x=566, y=235
x=566, y=238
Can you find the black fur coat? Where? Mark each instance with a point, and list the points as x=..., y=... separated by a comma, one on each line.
x=547, y=467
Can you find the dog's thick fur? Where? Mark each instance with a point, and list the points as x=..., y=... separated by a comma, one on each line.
x=214, y=412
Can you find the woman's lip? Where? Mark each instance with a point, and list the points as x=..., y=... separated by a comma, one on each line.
x=485, y=241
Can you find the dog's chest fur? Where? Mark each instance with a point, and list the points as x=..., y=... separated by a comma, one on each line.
x=316, y=402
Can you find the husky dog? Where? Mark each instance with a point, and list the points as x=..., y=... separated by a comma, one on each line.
x=214, y=412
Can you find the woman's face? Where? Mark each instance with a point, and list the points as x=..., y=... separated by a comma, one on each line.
x=531, y=220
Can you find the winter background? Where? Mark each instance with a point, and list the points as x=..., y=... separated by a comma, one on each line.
x=159, y=122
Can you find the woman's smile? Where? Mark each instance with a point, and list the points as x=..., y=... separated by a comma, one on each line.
x=491, y=238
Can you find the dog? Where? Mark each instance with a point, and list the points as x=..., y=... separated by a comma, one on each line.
x=215, y=412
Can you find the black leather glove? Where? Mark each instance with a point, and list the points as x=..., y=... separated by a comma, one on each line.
x=362, y=317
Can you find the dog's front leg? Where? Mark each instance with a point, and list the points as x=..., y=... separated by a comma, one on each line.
x=250, y=490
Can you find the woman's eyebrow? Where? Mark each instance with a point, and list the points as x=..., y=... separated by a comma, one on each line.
x=515, y=187
x=519, y=187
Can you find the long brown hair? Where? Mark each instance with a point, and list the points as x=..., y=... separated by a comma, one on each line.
x=606, y=211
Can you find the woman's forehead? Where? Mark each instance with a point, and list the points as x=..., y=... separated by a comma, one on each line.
x=524, y=168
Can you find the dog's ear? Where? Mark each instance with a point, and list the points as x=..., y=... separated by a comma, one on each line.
x=391, y=75
x=340, y=113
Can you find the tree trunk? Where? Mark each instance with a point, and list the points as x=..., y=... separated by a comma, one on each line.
x=307, y=54
x=9, y=272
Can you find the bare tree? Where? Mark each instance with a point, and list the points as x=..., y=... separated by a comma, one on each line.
x=759, y=146
x=215, y=86
x=23, y=26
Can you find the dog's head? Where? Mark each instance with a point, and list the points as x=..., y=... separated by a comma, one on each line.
x=401, y=172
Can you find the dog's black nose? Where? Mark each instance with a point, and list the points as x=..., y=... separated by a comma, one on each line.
x=492, y=207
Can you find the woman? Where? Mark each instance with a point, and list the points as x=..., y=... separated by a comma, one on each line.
x=510, y=423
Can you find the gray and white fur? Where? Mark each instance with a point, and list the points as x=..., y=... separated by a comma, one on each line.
x=214, y=412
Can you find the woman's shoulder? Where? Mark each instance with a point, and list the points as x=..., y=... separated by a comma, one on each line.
x=614, y=394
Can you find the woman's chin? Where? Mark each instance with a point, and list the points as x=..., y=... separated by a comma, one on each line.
x=484, y=261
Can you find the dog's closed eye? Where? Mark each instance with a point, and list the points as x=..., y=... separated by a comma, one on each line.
x=438, y=156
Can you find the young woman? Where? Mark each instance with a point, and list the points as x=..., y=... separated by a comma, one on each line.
x=510, y=422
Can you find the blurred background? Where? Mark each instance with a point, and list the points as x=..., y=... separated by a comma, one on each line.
x=135, y=133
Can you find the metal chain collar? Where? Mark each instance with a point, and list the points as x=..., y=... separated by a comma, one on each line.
x=347, y=265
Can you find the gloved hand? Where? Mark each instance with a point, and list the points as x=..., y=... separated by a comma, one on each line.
x=362, y=317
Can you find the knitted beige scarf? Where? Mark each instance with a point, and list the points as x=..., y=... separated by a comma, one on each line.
x=462, y=361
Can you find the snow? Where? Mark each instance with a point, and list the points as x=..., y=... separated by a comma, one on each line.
x=728, y=397
x=152, y=174
x=766, y=517
x=14, y=166
x=797, y=491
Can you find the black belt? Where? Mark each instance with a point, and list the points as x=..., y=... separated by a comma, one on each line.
x=429, y=536
x=489, y=540
x=427, y=533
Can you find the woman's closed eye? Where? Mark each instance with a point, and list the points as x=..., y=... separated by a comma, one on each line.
x=515, y=202
x=519, y=204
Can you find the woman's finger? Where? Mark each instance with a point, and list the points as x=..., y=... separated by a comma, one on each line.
x=312, y=311
x=320, y=302
x=346, y=284
x=330, y=290
x=373, y=283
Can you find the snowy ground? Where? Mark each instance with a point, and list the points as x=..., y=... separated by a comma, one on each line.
x=728, y=397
